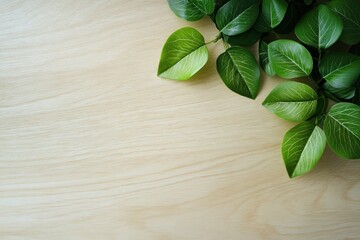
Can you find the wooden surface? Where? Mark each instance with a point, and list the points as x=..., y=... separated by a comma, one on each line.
x=95, y=146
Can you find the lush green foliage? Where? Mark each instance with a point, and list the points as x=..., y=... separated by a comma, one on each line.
x=318, y=41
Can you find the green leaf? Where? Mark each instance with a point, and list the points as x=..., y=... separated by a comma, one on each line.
x=192, y=10
x=342, y=93
x=292, y=101
x=308, y=2
x=247, y=38
x=236, y=16
x=340, y=69
x=349, y=11
x=290, y=19
x=274, y=11
x=264, y=58
x=289, y=59
x=183, y=54
x=261, y=25
x=302, y=148
x=239, y=70
x=342, y=129
x=319, y=28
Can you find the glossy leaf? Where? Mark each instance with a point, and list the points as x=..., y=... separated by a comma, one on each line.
x=264, y=58
x=341, y=93
x=183, y=54
x=292, y=101
x=239, y=70
x=274, y=11
x=349, y=11
x=319, y=28
x=342, y=129
x=247, y=38
x=340, y=69
x=192, y=10
x=236, y=17
x=302, y=148
x=289, y=59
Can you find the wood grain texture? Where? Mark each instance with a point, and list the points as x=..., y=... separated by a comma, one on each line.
x=94, y=146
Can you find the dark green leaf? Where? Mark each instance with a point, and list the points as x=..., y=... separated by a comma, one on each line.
x=349, y=11
x=342, y=129
x=264, y=58
x=247, y=38
x=291, y=17
x=302, y=148
x=192, y=10
x=236, y=17
x=261, y=25
x=340, y=69
x=239, y=70
x=308, y=2
x=289, y=59
x=319, y=28
x=183, y=54
x=274, y=11
x=341, y=93
x=292, y=101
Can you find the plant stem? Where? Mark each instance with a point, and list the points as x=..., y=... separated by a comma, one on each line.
x=218, y=37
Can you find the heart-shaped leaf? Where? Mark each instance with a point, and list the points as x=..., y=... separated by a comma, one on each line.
x=274, y=11
x=342, y=129
x=192, y=10
x=340, y=69
x=236, y=16
x=239, y=70
x=292, y=101
x=349, y=11
x=264, y=58
x=302, y=148
x=247, y=38
x=183, y=54
x=319, y=28
x=289, y=59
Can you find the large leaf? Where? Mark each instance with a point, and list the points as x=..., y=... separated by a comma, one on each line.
x=349, y=12
x=341, y=93
x=274, y=11
x=247, y=38
x=183, y=54
x=239, y=70
x=340, y=69
x=264, y=58
x=192, y=10
x=319, y=28
x=292, y=101
x=236, y=16
x=342, y=129
x=302, y=148
x=289, y=59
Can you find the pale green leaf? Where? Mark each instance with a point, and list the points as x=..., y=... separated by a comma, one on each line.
x=289, y=59
x=342, y=129
x=274, y=11
x=239, y=70
x=183, y=54
x=236, y=17
x=292, y=101
x=340, y=69
x=192, y=10
x=319, y=28
x=302, y=148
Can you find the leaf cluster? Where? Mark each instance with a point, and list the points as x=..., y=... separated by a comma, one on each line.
x=295, y=39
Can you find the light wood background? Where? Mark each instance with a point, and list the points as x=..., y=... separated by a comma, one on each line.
x=94, y=146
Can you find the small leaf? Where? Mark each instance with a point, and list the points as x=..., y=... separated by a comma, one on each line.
x=247, y=38
x=289, y=59
x=239, y=70
x=264, y=58
x=236, y=17
x=348, y=10
x=274, y=11
x=319, y=28
x=302, y=148
x=342, y=129
x=183, y=54
x=340, y=69
x=192, y=10
x=342, y=93
x=292, y=101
